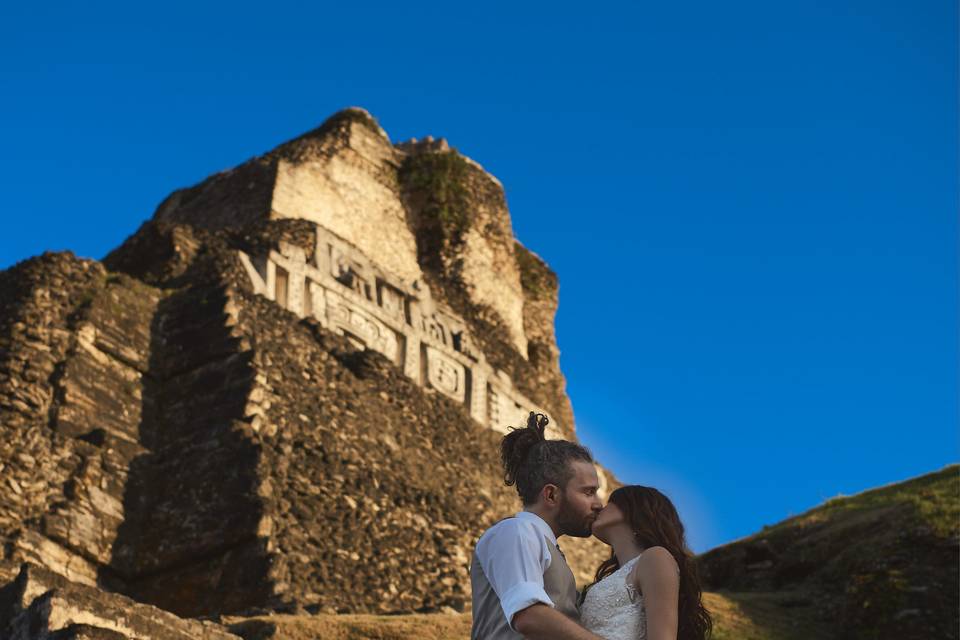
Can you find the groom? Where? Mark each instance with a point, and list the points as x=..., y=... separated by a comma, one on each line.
x=522, y=586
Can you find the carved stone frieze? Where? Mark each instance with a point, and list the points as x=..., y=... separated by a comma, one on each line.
x=344, y=317
x=351, y=295
x=446, y=375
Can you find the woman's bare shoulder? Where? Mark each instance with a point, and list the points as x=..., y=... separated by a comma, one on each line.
x=653, y=563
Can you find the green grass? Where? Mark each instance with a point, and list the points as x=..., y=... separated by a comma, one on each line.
x=934, y=497
x=867, y=562
x=760, y=616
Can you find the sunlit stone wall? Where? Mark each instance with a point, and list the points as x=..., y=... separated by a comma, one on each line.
x=349, y=294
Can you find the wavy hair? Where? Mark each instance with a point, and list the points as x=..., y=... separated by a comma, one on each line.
x=655, y=523
x=530, y=461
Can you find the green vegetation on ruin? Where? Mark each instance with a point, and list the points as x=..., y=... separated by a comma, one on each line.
x=535, y=276
x=438, y=181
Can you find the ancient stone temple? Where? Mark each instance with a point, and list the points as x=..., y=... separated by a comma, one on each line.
x=284, y=392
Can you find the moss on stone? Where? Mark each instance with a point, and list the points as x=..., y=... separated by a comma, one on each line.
x=437, y=180
x=535, y=276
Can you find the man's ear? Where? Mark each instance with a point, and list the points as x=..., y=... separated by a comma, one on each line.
x=551, y=494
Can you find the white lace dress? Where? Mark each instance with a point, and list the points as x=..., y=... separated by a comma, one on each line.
x=613, y=609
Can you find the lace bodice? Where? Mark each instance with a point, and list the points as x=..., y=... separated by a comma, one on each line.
x=613, y=609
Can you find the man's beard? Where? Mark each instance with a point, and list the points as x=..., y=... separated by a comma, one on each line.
x=573, y=524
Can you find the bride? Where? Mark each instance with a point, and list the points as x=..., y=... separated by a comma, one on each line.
x=649, y=588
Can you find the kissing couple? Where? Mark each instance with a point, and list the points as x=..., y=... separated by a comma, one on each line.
x=522, y=586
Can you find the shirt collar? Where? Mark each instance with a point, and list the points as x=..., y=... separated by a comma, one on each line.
x=540, y=524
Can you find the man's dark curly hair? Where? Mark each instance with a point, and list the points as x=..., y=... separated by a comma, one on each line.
x=530, y=461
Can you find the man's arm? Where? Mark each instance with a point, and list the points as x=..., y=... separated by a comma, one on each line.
x=540, y=622
x=513, y=558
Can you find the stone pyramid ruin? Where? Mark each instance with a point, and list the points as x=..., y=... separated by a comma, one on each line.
x=284, y=392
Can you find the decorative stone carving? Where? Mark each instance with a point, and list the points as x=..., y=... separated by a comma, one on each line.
x=317, y=301
x=372, y=333
x=434, y=328
x=258, y=277
x=506, y=408
x=292, y=252
x=290, y=285
x=392, y=301
x=348, y=273
x=349, y=294
x=478, y=394
x=496, y=413
x=464, y=344
x=411, y=358
x=282, y=288
x=446, y=375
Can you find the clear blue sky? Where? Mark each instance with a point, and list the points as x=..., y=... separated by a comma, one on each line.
x=752, y=206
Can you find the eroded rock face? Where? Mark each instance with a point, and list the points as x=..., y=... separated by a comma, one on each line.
x=285, y=391
x=41, y=604
x=387, y=201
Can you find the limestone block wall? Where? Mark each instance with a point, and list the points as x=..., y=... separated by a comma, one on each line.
x=488, y=266
x=367, y=473
x=352, y=295
x=354, y=194
x=232, y=198
x=193, y=540
x=100, y=400
x=43, y=604
x=345, y=177
x=127, y=457
x=464, y=235
x=74, y=342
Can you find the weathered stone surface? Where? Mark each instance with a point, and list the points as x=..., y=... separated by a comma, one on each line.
x=348, y=166
x=347, y=292
x=280, y=390
x=40, y=604
x=68, y=392
x=434, y=626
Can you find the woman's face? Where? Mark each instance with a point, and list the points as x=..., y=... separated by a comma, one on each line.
x=610, y=518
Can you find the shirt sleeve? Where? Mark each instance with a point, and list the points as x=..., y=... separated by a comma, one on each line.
x=514, y=557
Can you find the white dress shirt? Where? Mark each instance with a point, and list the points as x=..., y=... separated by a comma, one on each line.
x=514, y=555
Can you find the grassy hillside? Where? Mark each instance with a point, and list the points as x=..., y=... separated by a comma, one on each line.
x=880, y=564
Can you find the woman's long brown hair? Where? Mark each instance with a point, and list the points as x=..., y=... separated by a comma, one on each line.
x=655, y=523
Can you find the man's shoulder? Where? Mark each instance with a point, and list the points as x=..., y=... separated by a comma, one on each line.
x=511, y=524
x=508, y=528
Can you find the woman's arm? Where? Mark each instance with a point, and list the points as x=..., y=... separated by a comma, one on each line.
x=657, y=577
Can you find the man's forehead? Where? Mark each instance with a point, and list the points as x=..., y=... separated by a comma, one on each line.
x=585, y=474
